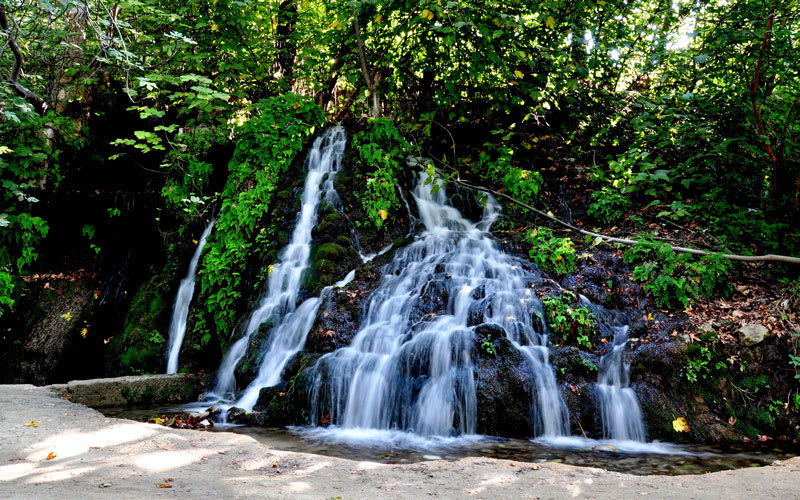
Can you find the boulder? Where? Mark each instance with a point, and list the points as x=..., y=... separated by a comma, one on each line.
x=752, y=334
x=141, y=389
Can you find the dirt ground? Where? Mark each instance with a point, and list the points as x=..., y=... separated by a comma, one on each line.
x=51, y=448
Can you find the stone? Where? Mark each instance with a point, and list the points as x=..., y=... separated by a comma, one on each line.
x=752, y=334
x=140, y=389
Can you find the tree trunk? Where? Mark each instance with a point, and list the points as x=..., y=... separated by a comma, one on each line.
x=284, y=40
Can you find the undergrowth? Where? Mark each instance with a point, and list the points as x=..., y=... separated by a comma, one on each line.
x=675, y=278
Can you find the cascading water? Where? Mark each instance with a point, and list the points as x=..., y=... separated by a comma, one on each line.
x=180, y=312
x=412, y=371
x=291, y=323
x=619, y=408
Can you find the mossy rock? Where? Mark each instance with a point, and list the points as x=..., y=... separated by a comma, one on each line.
x=287, y=403
x=502, y=385
x=142, y=345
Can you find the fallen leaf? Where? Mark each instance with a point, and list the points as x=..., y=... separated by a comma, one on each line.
x=50, y=456
x=104, y=485
x=163, y=485
x=680, y=425
x=32, y=424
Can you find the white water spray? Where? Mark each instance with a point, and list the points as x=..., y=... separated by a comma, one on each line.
x=619, y=408
x=291, y=323
x=414, y=372
x=180, y=311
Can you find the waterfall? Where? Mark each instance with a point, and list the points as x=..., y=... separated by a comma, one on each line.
x=413, y=371
x=278, y=304
x=619, y=408
x=180, y=312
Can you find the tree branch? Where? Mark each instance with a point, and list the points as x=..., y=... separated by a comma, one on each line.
x=754, y=98
x=625, y=241
x=13, y=79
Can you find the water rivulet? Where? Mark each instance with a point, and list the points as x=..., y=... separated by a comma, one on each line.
x=410, y=367
x=278, y=306
x=180, y=311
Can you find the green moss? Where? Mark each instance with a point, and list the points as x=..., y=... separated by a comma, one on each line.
x=331, y=251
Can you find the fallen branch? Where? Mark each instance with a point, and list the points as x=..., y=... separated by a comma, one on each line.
x=626, y=241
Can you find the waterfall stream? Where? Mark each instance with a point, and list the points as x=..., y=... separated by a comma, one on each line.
x=413, y=371
x=278, y=304
x=180, y=311
x=619, y=408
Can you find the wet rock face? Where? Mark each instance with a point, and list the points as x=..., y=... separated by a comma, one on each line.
x=288, y=402
x=339, y=316
x=50, y=344
x=502, y=384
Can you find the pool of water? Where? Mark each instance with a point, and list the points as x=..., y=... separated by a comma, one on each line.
x=401, y=447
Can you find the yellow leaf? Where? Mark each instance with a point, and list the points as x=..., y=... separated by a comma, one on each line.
x=427, y=14
x=382, y=214
x=159, y=421
x=84, y=332
x=518, y=73
x=50, y=456
x=680, y=425
x=551, y=23
x=379, y=18
x=67, y=316
x=32, y=424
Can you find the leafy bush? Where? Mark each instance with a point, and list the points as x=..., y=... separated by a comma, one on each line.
x=496, y=164
x=381, y=150
x=266, y=147
x=189, y=173
x=609, y=205
x=29, y=162
x=574, y=324
x=550, y=252
x=676, y=278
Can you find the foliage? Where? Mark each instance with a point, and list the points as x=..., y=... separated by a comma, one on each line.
x=185, y=191
x=551, y=252
x=381, y=150
x=496, y=165
x=29, y=164
x=266, y=147
x=609, y=205
x=674, y=278
x=487, y=345
x=574, y=324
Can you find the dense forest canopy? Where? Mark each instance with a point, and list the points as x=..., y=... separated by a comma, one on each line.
x=682, y=111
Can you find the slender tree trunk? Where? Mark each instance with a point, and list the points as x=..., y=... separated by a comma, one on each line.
x=372, y=82
x=776, y=164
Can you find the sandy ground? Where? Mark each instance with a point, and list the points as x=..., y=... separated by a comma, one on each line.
x=92, y=456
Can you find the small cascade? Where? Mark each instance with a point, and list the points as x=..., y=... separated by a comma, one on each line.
x=180, y=311
x=619, y=408
x=279, y=303
x=412, y=370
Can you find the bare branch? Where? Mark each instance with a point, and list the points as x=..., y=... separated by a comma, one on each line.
x=13, y=79
x=743, y=258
